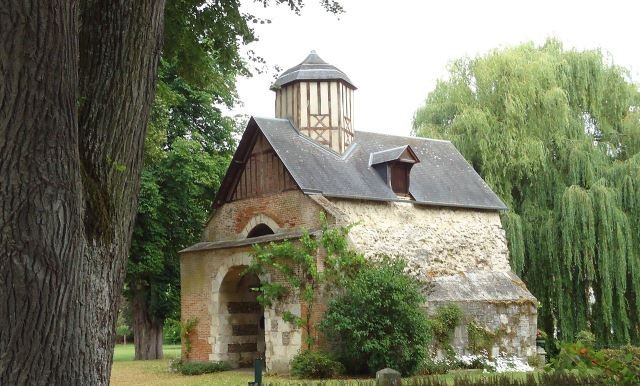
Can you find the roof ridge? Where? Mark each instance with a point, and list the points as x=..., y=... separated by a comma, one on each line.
x=403, y=136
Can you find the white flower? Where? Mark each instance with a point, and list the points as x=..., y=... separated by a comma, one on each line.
x=500, y=364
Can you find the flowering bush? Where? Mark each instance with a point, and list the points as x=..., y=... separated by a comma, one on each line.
x=500, y=364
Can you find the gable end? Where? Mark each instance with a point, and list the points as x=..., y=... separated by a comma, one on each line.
x=255, y=171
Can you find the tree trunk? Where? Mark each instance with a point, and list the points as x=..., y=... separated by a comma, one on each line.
x=75, y=94
x=147, y=332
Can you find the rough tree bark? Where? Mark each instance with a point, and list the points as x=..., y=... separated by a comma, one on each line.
x=76, y=85
x=147, y=332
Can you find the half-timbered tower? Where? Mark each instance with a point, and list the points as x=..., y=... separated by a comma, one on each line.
x=318, y=99
x=413, y=198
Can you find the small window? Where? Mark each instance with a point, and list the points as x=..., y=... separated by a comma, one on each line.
x=400, y=178
x=260, y=230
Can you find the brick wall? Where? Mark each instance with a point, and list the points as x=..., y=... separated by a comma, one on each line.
x=196, y=270
x=202, y=271
x=290, y=210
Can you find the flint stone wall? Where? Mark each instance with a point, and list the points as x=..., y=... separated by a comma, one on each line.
x=497, y=301
x=461, y=253
x=435, y=241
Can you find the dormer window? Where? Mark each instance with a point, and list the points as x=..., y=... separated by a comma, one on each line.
x=394, y=167
x=400, y=177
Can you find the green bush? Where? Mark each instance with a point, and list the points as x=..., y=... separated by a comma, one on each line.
x=586, y=338
x=432, y=367
x=315, y=364
x=197, y=368
x=378, y=321
x=444, y=322
x=612, y=366
x=171, y=331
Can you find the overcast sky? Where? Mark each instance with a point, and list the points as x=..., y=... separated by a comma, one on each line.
x=395, y=51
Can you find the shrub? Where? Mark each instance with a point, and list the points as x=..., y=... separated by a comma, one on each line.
x=171, y=331
x=315, y=364
x=378, y=320
x=186, y=328
x=612, y=366
x=445, y=321
x=197, y=368
x=443, y=325
x=432, y=366
x=586, y=338
x=480, y=338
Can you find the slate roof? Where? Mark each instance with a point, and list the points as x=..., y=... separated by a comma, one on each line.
x=479, y=286
x=225, y=244
x=388, y=155
x=311, y=68
x=441, y=178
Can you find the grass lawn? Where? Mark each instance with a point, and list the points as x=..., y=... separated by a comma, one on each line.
x=127, y=372
x=126, y=352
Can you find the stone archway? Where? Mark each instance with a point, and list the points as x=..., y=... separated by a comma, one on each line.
x=256, y=221
x=240, y=319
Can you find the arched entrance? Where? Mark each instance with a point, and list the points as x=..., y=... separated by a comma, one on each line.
x=241, y=334
x=260, y=230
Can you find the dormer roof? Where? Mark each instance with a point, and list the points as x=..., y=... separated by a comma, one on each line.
x=311, y=68
x=399, y=154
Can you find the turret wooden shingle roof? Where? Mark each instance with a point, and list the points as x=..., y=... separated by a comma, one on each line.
x=311, y=68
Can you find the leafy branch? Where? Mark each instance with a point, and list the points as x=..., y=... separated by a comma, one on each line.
x=315, y=262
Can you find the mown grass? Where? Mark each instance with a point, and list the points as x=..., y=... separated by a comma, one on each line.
x=127, y=372
x=126, y=352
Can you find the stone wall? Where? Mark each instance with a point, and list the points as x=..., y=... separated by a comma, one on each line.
x=439, y=243
x=435, y=241
x=289, y=210
x=462, y=253
x=513, y=323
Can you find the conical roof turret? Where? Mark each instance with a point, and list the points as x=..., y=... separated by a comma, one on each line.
x=311, y=68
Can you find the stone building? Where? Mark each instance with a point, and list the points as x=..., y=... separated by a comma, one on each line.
x=414, y=198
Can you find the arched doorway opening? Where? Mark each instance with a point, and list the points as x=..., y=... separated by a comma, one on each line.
x=242, y=318
x=260, y=230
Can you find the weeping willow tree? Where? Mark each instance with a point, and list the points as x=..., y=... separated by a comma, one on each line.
x=556, y=134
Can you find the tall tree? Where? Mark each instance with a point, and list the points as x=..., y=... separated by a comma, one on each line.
x=77, y=86
x=556, y=133
x=175, y=197
x=201, y=59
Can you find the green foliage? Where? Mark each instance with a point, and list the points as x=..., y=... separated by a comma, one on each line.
x=175, y=196
x=431, y=366
x=444, y=323
x=611, y=367
x=171, y=332
x=297, y=263
x=378, y=320
x=315, y=365
x=189, y=140
x=586, y=338
x=198, y=368
x=556, y=134
x=123, y=330
x=480, y=338
x=186, y=328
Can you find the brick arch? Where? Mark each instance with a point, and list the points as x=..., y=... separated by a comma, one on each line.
x=256, y=220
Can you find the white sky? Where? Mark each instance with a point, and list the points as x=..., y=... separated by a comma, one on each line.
x=395, y=51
